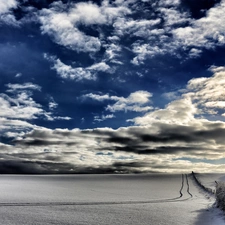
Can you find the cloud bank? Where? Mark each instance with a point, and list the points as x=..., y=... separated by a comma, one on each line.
x=72, y=71
x=162, y=140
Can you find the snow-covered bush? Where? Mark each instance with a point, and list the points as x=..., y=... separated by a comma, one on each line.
x=220, y=195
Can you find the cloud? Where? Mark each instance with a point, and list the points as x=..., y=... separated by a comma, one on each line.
x=160, y=140
x=135, y=148
x=170, y=95
x=174, y=17
x=103, y=117
x=102, y=66
x=206, y=94
x=77, y=73
x=201, y=96
x=21, y=106
x=167, y=3
x=6, y=6
x=52, y=104
x=168, y=30
x=206, y=32
x=178, y=31
x=16, y=87
x=113, y=51
x=176, y=133
x=136, y=101
x=143, y=51
x=6, y=16
x=180, y=111
x=63, y=24
x=18, y=75
x=135, y=27
x=18, y=108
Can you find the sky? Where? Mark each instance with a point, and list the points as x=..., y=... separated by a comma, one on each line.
x=112, y=86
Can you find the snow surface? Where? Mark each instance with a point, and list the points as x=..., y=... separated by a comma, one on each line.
x=106, y=199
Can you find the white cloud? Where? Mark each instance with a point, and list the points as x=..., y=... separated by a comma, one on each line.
x=174, y=17
x=172, y=133
x=145, y=50
x=173, y=28
x=63, y=26
x=203, y=95
x=177, y=30
x=68, y=72
x=17, y=87
x=208, y=92
x=103, y=117
x=102, y=66
x=167, y=3
x=18, y=75
x=139, y=28
x=180, y=112
x=113, y=50
x=6, y=16
x=136, y=101
x=6, y=6
x=21, y=106
x=157, y=147
x=62, y=30
x=52, y=104
x=206, y=32
x=8, y=19
x=99, y=97
x=195, y=53
x=77, y=73
x=171, y=95
x=17, y=107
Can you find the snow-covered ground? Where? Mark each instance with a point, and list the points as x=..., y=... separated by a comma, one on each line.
x=107, y=199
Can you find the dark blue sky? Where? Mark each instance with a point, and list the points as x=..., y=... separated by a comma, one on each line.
x=83, y=83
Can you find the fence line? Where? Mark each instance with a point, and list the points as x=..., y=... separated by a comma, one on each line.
x=209, y=190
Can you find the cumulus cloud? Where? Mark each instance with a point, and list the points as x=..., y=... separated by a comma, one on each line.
x=77, y=73
x=206, y=32
x=179, y=132
x=63, y=24
x=203, y=95
x=180, y=111
x=174, y=17
x=6, y=6
x=113, y=51
x=18, y=108
x=168, y=29
x=6, y=15
x=135, y=148
x=143, y=51
x=179, y=31
x=21, y=106
x=136, y=101
x=208, y=92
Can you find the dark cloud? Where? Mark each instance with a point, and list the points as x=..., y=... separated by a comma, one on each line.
x=170, y=139
x=33, y=167
x=38, y=142
x=145, y=150
x=38, y=167
x=133, y=57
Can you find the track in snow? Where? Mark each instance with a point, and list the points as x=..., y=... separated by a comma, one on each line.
x=182, y=186
x=188, y=186
x=184, y=177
